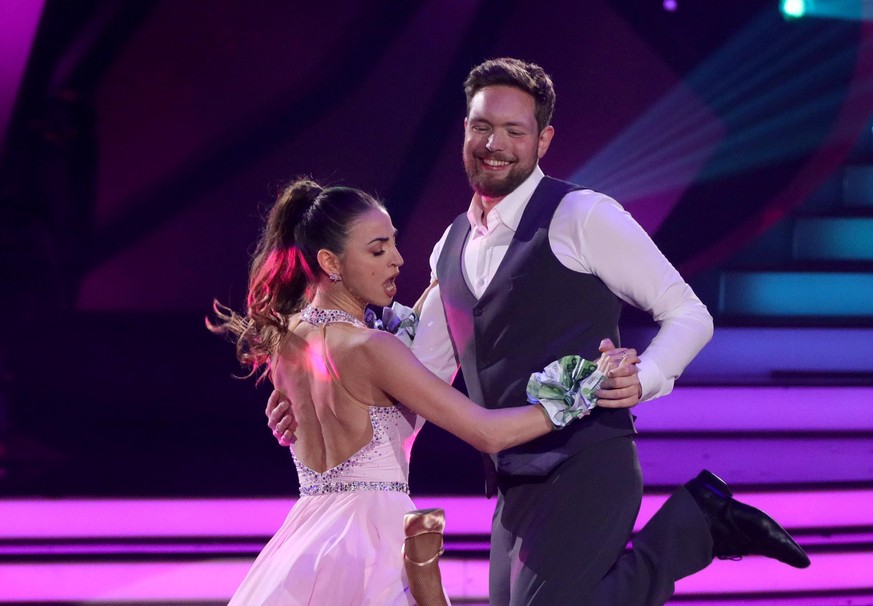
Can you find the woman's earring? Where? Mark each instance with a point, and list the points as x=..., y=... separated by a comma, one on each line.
x=335, y=277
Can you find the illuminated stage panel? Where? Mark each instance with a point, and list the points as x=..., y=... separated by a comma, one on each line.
x=169, y=582
x=788, y=294
x=838, y=571
x=813, y=353
x=834, y=239
x=203, y=540
x=784, y=409
x=113, y=583
x=755, y=459
x=797, y=509
x=149, y=518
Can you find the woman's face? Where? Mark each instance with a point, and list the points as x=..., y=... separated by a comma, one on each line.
x=371, y=261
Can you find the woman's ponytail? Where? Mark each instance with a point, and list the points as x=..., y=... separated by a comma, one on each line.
x=305, y=219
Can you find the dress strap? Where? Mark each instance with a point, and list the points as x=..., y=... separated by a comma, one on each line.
x=296, y=324
x=332, y=372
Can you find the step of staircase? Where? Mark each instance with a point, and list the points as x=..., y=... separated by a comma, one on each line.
x=759, y=436
x=786, y=294
x=777, y=356
x=153, y=551
x=833, y=239
x=803, y=453
x=815, y=265
x=770, y=459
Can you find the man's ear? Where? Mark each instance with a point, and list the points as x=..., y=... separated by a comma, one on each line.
x=545, y=139
x=329, y=262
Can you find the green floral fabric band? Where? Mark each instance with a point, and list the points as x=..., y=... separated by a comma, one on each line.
x=565, y=389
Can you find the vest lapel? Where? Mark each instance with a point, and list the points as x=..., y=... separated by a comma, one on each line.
x=537, y=209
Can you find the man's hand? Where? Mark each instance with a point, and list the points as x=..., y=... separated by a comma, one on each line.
x=420, y=303
x=621, y=388
x=280, y=419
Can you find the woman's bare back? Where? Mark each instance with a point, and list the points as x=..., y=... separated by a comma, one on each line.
x=328, y=390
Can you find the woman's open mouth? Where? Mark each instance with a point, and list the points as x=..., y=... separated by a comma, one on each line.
x=390, y=286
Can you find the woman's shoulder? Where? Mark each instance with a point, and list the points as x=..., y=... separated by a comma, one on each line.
x=371, y=346
x=376, y=340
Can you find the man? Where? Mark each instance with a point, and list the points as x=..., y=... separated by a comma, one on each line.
x=535, y=270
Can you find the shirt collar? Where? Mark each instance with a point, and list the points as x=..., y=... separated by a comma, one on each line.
x=510, y=208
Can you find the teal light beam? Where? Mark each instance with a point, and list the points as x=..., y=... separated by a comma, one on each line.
x=762, y=98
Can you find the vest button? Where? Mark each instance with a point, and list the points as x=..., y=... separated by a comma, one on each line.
x=477, y=312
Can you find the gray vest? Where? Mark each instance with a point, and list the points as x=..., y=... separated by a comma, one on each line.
x=534, y=311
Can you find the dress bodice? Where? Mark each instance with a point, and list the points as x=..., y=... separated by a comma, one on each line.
x=382, y=464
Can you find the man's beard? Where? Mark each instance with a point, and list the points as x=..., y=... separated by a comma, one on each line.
x=482, y=185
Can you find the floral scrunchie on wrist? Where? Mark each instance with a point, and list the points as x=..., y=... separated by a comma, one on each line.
x=565, y=389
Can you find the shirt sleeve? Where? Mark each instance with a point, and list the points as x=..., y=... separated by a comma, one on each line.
x=592, y=233
x=432, y=345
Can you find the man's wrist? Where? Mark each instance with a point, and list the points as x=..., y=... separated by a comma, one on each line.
x=653, y=384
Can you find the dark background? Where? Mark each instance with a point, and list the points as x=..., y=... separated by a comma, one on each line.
x=149, y=137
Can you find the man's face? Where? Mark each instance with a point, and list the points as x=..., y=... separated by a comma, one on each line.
x=501, y=141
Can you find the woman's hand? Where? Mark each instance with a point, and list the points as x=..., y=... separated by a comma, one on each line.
x=420, y=303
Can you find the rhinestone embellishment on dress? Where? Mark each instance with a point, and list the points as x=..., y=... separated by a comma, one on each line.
x=336, y=479
x=316, y=316
x=335, y=487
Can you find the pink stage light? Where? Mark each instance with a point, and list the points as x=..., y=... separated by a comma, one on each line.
x=115, y=583
x=107, y=518
x=797, y=509
x=468, y=579
x=787, y=409
x=213, y=569
x=20, y=20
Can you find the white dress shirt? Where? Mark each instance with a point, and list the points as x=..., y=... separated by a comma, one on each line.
x=589, y=233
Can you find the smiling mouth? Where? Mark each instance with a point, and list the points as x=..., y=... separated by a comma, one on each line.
x=495, y=164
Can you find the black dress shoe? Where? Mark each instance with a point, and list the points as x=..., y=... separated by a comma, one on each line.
x=739, y=529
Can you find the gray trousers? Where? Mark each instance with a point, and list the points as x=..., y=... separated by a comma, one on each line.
x=560, y=540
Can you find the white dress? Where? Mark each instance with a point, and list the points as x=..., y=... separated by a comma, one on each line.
x=341, y=542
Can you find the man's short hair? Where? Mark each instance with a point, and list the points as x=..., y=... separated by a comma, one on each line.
x=506, y=71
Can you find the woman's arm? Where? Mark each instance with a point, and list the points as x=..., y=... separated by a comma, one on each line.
x=395, y=371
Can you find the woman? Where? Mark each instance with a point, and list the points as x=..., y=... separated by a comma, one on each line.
x=324, y=255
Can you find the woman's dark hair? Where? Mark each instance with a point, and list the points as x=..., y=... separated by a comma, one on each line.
x=284, y=270
x=528, y=77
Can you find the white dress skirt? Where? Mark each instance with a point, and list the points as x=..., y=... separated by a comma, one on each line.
x=341, y=542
